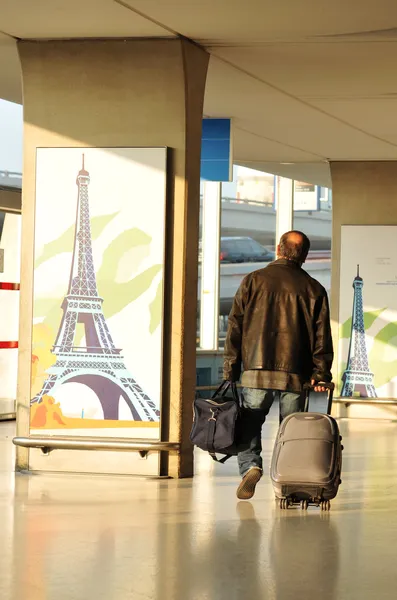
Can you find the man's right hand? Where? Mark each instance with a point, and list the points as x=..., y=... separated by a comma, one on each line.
x=317, y=386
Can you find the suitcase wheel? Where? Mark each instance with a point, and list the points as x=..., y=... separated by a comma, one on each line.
x=304, y=504
x=325, y=505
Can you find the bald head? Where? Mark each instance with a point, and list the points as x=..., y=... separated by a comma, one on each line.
x=294, y=245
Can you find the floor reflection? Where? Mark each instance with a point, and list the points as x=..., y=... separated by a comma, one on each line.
x=304, y=553
x=67, y=537
x=201, y=560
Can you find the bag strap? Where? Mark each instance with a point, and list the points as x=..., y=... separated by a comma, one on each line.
x=233, y=387
x=219, y=460
x=224, y=387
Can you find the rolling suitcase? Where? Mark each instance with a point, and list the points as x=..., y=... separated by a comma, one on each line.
x=307, y=458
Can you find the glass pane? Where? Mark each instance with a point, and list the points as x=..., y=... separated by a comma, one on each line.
x=248, y=231
x=248, y=220
x=317, y=225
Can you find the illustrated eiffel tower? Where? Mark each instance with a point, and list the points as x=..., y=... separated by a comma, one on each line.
x=357, y=376
x=99, y=364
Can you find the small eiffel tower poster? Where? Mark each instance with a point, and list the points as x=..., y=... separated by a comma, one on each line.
x=367, y=348
x=98, y=291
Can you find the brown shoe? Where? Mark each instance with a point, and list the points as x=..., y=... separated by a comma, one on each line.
x=246, y=489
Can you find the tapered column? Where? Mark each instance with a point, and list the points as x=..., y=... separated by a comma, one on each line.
x=363, y=193
x=124, y=93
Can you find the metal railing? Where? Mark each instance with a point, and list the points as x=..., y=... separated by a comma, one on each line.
x=345, y=401
x=48, y=444
x=348, y=401
x=11, y=180
x=8, y=416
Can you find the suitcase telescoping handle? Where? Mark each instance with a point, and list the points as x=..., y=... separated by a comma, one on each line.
x=329, y=386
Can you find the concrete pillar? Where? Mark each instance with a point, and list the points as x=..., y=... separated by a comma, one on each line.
x=124, y=93
x=363, y=193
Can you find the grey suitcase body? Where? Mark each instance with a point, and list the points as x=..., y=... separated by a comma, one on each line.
x=307, y=460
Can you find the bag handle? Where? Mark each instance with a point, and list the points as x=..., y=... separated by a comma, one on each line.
x=224, y=387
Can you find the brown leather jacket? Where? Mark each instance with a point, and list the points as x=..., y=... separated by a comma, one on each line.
x=280, y=322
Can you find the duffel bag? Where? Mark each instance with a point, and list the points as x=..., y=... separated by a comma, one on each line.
x=216, y=422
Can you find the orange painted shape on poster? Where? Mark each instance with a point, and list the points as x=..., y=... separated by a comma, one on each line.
x=74, y=423
x=48, y=415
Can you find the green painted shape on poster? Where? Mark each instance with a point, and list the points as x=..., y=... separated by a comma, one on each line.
x=156, y=309
x=43, y=306
x=369, y=319
x=338, y=383
x=124, y=242
x=386, y=334
x=64, y=243
x=383, y=369
x=128, y=239
x=118, y=295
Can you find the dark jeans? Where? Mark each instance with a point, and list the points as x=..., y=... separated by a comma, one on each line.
x=256, y=406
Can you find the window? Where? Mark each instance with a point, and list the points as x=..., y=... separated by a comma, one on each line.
x=317, y=225
x=248, y=242
x=248, y=231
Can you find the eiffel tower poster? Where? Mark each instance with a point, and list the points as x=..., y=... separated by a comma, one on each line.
x=358, y=377
x=99, y=257
x=367, y=348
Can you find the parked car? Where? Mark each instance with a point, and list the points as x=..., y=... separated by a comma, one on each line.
x=243, y=250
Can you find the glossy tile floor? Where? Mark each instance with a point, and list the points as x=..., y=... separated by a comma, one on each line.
x=117, y=538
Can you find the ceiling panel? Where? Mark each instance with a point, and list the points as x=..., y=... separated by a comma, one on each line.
x=317, y=172
x=248, y=146
x=318, y=70
x=327, y=92
x=258, y=20
x=271, y=114
x=378, y=117
x=73, y=19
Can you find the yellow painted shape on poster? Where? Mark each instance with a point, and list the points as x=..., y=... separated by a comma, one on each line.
x=42, y=358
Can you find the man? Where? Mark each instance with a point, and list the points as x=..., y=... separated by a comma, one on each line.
x=279, y=331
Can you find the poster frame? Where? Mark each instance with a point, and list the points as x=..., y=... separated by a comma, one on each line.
x=163, y=403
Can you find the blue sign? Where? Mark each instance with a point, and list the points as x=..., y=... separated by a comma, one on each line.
x=216, y=158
